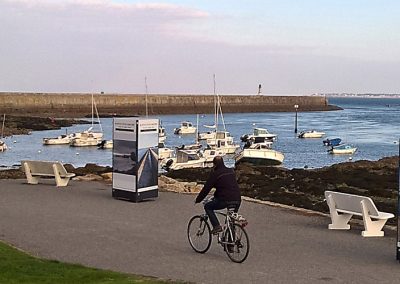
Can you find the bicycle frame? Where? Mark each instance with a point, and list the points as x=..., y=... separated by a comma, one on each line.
x=227, y=228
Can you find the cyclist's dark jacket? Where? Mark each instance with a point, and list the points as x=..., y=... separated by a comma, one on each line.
x=224, y=181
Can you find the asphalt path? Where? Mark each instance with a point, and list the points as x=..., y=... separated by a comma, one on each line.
x=83, y=224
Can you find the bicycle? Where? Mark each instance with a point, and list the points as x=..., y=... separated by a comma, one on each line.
x=233, y=238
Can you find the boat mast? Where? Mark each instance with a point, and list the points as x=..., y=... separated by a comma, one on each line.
x=2, y=128
x=97, y=113
x=145, y=84
x=92, y=111
x=215, y=106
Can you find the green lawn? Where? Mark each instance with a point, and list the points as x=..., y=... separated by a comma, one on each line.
x=19, y=267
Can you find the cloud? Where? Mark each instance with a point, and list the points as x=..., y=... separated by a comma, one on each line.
x=85, y=46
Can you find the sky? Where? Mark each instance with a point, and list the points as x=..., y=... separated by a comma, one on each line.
x=287, y=46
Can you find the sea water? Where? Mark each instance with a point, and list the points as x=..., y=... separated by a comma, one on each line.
x=370, y=124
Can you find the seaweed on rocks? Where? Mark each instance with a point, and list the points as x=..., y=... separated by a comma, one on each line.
x=305, y=187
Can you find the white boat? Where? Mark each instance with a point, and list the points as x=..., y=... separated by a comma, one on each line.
x=208, y=134
x=210, y=154
x=343, y=149
x=89, y=137
x=223, y=141
x=60, y=140
x=164, y=152
x=260, y=154
x=3, y=145
x=259, y=132
x=311, y=134
x=161, y=134
x=85, y=139
x=105, y=144
x=186, y=128
x=184, y=159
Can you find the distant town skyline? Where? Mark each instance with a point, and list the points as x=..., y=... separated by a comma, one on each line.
x=288, y=46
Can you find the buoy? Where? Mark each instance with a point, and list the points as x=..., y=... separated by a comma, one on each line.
x=39, y=151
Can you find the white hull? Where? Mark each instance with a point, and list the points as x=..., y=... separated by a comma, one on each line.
x=57, y=141
x=347, y=150
x=188, y=130
x=3, y=146
x=311, y=134
x=266, y=157
x=106, y=144
x=228, y=149
x=201, y=163
x=165, y=153
x=206, y=135
x=84, y=142
x=210, y=154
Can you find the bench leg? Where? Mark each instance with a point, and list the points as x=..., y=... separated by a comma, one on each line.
x=372, y=228
x=59, y=180
x=31, y=179
x=339, y=221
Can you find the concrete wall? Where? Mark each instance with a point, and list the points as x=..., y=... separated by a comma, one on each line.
x=126, y=104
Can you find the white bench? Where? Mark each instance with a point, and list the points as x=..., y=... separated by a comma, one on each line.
x=34, y=170
x=343, y=206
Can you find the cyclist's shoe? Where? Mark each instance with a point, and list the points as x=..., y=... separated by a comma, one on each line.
x=216, y=230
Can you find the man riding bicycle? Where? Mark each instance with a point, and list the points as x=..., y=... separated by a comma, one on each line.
x=227, y=192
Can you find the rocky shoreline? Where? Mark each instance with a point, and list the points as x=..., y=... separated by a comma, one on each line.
x=303, y=188
x=16, y=125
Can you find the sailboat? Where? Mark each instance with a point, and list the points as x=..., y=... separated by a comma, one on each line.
x=3, y=145
x=222, y=141
x=88, y=137
x=59, y=140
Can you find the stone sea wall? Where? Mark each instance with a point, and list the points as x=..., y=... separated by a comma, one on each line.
x=79, y=104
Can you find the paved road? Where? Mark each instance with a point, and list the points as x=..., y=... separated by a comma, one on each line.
x=84, y=224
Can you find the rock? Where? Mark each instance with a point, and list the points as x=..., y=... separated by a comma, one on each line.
x=88, y=177
x=12, y=174
x=88, y=169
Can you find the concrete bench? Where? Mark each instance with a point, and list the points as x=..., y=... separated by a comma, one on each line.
x=34, y=170
x=343, y=206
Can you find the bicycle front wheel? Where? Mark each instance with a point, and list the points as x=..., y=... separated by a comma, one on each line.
x=237, y=245
x=199, y=234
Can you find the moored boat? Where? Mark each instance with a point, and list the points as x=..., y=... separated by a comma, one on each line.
x=260, y=154
x=185, y=128
x=332, y=141
x=60, y=140
x=105, y=144
x=343, y=149
x=311, y=134
x=184, y=159
x=257, y=133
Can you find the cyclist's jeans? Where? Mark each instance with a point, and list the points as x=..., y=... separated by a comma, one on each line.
x=216, y=204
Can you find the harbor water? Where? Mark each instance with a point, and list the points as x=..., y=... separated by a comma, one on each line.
x=370, y=124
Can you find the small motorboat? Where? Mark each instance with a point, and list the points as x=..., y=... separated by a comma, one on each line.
x=260, y=154
x=343, y=149
x=105, y=144
x=311, y=134
x=186, y=128
x=332, y=142
x=257, y=133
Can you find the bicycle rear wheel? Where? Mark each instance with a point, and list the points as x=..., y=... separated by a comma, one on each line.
x=199, y=234
x=238, y=248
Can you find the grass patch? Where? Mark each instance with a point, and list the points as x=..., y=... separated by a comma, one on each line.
x=19, y=267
